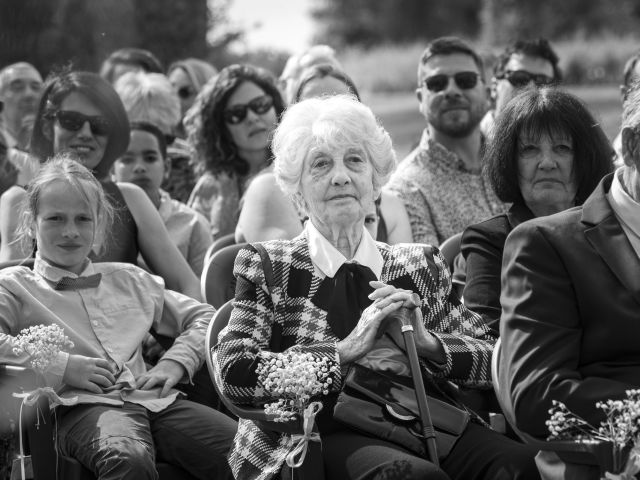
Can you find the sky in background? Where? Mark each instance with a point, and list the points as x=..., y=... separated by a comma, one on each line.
x=280, y=24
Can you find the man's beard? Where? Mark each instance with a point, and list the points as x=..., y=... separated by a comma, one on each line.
x=459, y=129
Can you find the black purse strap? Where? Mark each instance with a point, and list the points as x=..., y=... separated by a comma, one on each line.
x=267, y=267
x=275, y=344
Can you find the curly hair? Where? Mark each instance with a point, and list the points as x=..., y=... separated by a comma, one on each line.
x=546, y=111
x=58, y=87
x=338, y=121
x=215, y=151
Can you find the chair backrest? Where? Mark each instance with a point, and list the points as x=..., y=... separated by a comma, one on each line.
x=219, y=244
x=450, y=248
x=217, y=323
x=217, y=283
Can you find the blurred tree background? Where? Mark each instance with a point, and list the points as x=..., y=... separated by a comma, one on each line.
x=54, y=32
x=374, y=22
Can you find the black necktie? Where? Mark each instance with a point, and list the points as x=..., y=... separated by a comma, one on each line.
x=349, y=297
x=70, y=283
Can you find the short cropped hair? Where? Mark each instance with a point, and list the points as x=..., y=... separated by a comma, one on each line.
x=198, y=71
x=321, y=71
x=448, y=46
x=156, y=132
x=538, y=47
x=58, y=87
x=139, y=57
x=64, y=168
x=150, y=97
x=629, y=69
x=4, y=73
x=215, y=151
x=339, y=120
x=314, y=55
x=546, y=111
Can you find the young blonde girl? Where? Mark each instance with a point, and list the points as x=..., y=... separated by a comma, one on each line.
x=126, y=416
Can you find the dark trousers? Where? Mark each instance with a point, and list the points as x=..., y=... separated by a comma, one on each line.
x=123, y=442
x=479, y=454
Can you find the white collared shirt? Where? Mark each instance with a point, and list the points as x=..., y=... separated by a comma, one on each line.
x=626, y=209
x=327, y=259
x=109, y=321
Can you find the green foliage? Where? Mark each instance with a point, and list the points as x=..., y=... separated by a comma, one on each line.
x=368, y=23
x=506, y=20
x=47, y=33
x=172, y=29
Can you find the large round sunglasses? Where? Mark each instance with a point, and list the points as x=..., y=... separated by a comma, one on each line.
x=521, y=78
x=237, y=113
x=439, y=82
x=73, y=121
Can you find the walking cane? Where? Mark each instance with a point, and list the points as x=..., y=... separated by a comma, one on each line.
x=429, y=433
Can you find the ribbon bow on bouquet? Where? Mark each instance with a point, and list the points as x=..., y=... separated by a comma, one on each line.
x=301, y=441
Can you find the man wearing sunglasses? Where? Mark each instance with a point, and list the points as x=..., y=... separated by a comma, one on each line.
x=440, y=182
x=524, y=64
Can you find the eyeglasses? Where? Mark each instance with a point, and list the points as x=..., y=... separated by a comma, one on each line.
x=238, y=113
x=521, y=78
x=73, y=121
x=185, y=92
x=464, y=81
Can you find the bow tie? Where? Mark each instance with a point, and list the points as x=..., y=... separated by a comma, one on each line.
x=349, y=291
x=70, y=283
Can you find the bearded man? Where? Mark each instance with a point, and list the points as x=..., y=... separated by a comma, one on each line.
x=441, y=181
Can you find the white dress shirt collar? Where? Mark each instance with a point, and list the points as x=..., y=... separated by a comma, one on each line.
x=328, y=259
x=54, y=274
x=626, y=210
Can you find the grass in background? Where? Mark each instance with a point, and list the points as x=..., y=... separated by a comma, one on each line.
x=393, y=68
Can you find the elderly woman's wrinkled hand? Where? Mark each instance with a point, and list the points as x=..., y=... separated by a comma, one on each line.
x=363, y=337
x=426, y=343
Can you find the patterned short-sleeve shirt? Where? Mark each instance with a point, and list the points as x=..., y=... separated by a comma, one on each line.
x=441, y=195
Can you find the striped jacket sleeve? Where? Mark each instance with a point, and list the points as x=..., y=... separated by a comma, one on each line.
x=244, y=344
x=467, y=340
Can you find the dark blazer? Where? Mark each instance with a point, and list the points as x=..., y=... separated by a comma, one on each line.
x=570, y=326
x=297, y=305
x=482, y=246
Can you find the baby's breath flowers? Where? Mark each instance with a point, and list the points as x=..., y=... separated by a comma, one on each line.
x=621, y=428
x=42, y=343
x=294, y=378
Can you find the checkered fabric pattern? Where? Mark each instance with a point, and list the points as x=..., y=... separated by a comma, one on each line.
x=245, y=342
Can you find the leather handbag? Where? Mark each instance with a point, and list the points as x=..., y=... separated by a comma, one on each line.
x=385, y=406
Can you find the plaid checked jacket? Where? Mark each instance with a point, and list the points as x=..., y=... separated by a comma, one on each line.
x=245, y=342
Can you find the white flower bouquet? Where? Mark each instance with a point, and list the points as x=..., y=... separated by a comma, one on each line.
x=620, y=429
x=42, y=343
x=295, y=379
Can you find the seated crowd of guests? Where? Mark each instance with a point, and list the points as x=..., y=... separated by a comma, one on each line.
x=117, y=184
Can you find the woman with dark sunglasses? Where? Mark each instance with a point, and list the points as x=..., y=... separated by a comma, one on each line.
x=230, y=126
x=81, y=113
x=188, y=76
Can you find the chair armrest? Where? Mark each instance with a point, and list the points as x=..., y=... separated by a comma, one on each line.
x=592, y=453
x=264, y=421
x=16, y=378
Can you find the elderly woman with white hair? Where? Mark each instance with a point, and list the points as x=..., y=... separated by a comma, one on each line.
x=327, y=292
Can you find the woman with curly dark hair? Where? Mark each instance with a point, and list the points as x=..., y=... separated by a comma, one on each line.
x=230, y=127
